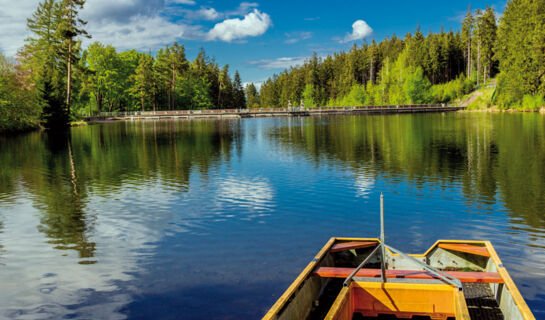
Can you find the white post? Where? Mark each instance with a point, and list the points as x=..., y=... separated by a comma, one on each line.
x=382, y=244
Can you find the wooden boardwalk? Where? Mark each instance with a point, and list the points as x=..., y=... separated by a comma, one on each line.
x=271, y=112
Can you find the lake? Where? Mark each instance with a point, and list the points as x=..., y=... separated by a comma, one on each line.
x=213, y=219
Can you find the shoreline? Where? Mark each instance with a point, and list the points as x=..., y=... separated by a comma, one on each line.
x=497, y=110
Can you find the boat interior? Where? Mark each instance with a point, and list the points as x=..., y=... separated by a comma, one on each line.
x=348, y=279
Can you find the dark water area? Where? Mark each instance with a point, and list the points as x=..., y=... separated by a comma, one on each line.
x=214, y=219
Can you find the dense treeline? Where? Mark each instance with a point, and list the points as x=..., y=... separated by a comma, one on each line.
x=520, y=49
x=436, y=68
x=416, y=69
x=130, y=81
x=53, y=80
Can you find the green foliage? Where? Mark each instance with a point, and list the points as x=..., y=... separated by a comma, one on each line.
x=532, y=103
x=450, y=91
x=239, y=98
x=482, y=99
x=356, y=97
x=252, y=96
x=308, y=96
x=19, y=106
x=200, y=98
x=520, y=49
x=417, y=88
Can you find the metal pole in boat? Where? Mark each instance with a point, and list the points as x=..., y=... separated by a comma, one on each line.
x=382, y=244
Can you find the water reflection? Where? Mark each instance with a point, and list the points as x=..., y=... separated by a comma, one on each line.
x=493, y=157
x=130, y=219
x=84, y=210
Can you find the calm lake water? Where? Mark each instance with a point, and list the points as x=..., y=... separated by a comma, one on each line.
x=213, y=219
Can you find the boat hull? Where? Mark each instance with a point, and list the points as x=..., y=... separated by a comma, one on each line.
x=318, y=293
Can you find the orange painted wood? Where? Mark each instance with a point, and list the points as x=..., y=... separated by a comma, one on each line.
x=351, y=245
x=467, y=248
x=473, y=277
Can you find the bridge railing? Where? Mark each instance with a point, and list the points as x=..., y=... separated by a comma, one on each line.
x=261, y=110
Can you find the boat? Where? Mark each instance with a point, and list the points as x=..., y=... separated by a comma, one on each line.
x=454, y=279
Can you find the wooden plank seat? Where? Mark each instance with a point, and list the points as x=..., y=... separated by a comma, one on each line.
x=468, y=277
x=467, y=248
x=343, y=246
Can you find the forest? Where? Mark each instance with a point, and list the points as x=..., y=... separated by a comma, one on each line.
x=53, y=80
x=433, y=68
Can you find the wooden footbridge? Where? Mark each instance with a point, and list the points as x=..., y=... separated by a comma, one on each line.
x=272, y=112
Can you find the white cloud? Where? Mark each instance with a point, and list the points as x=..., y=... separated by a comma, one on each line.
x=257, y=84
x=295, y=37
x=13, y=24
x=209, y=14
x=253, y=24
x=279, y=63
x=242, y=9
x=138, y=24
x=360, y=31
x=120, y=10
x=188, y=2
x=142, y=33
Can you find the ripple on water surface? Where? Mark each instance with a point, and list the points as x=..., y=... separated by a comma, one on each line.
x=214, y=219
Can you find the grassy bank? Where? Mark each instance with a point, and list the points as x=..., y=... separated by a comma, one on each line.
x=485, y=99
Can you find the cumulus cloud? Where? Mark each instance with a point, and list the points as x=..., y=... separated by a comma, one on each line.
x=120, y=11
x=139, y=24
x=295, y=37
x=360, y=31
x=188, y=2
x=208, y=14
x=13, y=20
x=143, y=33
x=253, y=24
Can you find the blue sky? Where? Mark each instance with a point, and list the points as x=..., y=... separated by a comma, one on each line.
x=258, y=38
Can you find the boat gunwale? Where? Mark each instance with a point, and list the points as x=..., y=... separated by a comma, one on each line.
x=284, y=298
x=296, y=284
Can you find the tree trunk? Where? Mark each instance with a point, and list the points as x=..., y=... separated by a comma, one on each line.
x=478, y=62
x=169, y=97
x=69, y=77
x=219, y=97
x=372, y=70
x=173, y=88
x=469, y=58
x=99, y=102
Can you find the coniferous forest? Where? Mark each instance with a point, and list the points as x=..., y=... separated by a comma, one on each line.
x=54, y=80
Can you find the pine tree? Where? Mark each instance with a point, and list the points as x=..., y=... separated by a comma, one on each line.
x=487, y=31
x=239, y=99
x=252, y=96
x=41, y=57
x=142, y=79
x=225, y=96
x=467, y=35
x=42, y=47
x=177, y=64
x=71, y=27
x=520, y=49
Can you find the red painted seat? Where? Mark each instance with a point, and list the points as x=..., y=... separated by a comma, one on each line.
x=471, y=277
x=467, y=248
x=343, y=246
